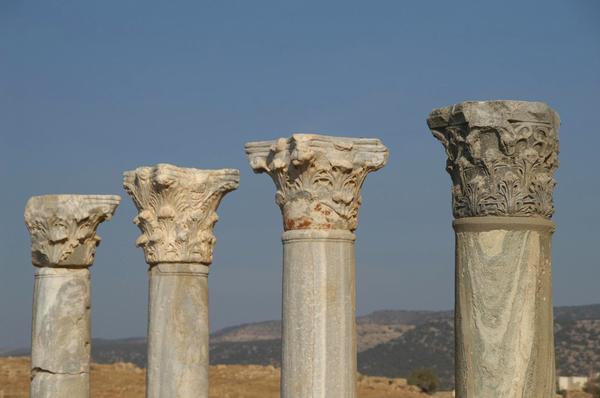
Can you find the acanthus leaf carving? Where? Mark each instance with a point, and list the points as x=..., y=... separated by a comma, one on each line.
x=177, y=210
x=63, y=228
x=318, y=178
x=502, y=156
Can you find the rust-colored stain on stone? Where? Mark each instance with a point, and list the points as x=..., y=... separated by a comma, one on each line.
x=304, y=224
x=317, y=177
x=289, y=224
x=324, y=211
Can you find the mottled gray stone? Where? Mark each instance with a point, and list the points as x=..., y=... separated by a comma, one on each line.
x=177, y=213
x=63, y=240
x=504, y=333
x=502, y=156
x=318, y=180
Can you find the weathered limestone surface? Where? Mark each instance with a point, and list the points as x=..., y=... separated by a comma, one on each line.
x=319, y=328
x=318, y=180
x=177, y=213
x=502, y=156
x=63, y=228
x=63, y=240
x=178, y=330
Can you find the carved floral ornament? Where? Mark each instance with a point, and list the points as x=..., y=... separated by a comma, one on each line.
x=63, y=228
x=318, y=178
x=502, y=156
x=177, y=210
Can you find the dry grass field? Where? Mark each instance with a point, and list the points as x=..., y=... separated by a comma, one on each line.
x=124, y=380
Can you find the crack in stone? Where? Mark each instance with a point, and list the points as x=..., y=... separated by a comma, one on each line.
x=37, y=370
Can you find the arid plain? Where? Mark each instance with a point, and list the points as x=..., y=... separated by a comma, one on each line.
x=125, y=380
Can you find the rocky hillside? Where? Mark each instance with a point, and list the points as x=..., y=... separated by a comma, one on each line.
x=431, y=344
x=578, y=346
x=391, y=343
x=428, y=345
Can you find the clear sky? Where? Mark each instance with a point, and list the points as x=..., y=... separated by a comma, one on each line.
x=90, y=89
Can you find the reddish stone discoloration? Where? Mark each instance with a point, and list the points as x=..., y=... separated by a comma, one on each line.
x=317, y=216
x=323, y=210
x=304, y=224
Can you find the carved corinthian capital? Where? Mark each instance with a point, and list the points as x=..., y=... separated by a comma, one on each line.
x=177, y=210
x=63, y=228
x=318, y=178
x=502, y=156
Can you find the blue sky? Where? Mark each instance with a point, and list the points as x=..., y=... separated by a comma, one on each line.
x=90, y=89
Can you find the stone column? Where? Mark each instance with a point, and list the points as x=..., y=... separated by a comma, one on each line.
x=318, y=180
x=63, y=244
x=177, y=213
x=502, y=156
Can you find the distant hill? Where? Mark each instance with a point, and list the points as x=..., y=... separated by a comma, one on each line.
x=391, y=343
x=268, y=330
x=428, y=345
x=578, y=346
x=122, y=350
x=388, y=317
x=258, y=352
x=577, y=312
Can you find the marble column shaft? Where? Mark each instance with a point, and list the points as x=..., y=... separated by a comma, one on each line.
x=64, y=240
x=318, y=180
x=502, y=156
x=177, y=213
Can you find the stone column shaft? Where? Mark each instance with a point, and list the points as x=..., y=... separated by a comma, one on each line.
x=177, y=213
x=504, y=328
x=319, y=310
x=178, y=330
x=63, y=239
x=502, y=156
x=318, y=181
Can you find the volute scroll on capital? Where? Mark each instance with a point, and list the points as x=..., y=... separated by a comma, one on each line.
x=63, y=228
x=177, y=210
x=318, y=178
x=502, y=156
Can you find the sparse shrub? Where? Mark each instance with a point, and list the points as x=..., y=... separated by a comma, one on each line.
x=593, y=387
x=425, y=379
